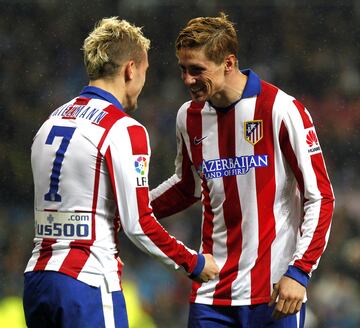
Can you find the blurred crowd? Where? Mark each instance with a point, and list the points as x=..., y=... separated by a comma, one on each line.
x=310, y=49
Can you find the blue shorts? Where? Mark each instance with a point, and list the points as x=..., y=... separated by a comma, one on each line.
x=249, y=316
x=52, y=299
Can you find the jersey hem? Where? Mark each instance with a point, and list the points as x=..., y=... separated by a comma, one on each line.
x=228, y=302
x=93, y=280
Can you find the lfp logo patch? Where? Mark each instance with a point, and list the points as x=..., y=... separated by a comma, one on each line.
x=140, y=165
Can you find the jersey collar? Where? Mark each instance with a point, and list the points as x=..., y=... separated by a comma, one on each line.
x=98, y=93
x=252, y=86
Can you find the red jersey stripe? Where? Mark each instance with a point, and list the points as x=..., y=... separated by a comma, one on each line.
x=290, y=156
x=305, y=117
x=195, y=128
x=45, y=254
x=138, y=140
x=231, y=210
x=194, y=125
x=265, y=187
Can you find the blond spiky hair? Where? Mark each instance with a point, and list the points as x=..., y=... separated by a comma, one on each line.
x=112, y=42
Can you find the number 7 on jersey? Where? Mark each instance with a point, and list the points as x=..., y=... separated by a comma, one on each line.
x=66, y=133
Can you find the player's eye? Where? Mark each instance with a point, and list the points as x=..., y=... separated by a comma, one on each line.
x=195, y=70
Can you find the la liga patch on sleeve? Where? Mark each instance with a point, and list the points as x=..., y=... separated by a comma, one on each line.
x=141, y=167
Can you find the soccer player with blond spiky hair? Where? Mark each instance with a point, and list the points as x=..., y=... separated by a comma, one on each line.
x=90, y=167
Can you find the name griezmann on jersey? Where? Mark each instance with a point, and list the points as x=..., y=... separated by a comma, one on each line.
x=90, y=113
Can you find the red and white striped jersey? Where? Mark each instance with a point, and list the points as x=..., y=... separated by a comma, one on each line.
x=90, y=167
x=267, y=201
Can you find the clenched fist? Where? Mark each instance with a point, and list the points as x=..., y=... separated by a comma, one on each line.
x=210, y=271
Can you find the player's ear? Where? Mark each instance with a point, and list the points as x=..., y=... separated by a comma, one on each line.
x=129, y=70
x=230, y=63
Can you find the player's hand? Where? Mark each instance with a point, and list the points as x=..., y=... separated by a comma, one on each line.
x=288, y=295
x=210, y=271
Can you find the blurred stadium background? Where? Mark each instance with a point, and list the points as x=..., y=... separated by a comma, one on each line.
x=311, y=49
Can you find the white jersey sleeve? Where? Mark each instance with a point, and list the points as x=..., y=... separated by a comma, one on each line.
x=300, y=146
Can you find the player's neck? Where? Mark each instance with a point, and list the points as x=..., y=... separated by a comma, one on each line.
x=110, y=85
x=232, y=91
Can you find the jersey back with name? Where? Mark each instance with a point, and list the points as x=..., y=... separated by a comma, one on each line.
x=90, y=164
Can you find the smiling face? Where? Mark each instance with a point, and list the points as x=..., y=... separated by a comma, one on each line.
x=203, y=77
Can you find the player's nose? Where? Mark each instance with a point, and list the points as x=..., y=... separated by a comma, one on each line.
x=188, y=79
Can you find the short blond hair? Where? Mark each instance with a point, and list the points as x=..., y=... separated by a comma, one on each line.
x=216, y=34
x=110, y=44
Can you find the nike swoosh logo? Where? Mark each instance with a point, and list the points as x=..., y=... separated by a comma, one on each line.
x=198, y=141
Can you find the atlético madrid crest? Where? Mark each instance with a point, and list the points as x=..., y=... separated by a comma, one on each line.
x=253, y=131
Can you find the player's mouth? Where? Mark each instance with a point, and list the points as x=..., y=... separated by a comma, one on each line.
x=197, y=91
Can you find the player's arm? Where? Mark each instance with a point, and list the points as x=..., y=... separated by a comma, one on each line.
x=301, y=147
x=127, y=155
x=302, y=151
x=182, y=189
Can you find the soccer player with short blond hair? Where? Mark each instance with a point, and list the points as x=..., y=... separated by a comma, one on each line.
x=90, y=163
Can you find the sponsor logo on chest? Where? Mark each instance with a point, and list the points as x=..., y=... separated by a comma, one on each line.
x=223, y=167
